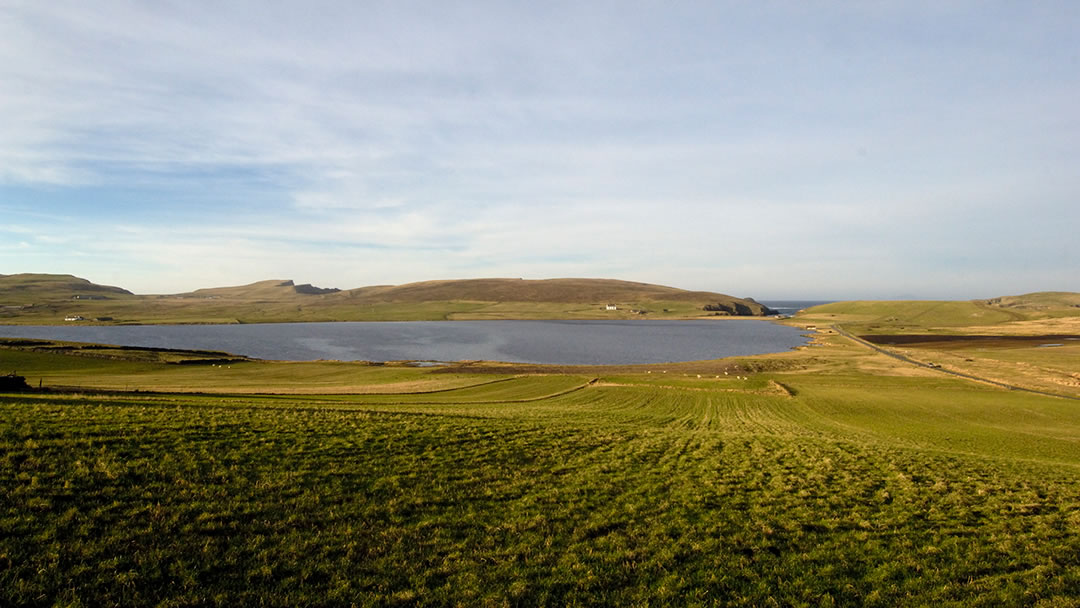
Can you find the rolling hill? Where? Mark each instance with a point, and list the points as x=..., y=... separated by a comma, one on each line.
x=272, y=289
x=51, y=298
x=564, y=291
x=1048, y=301
x=1028, y=314
x=17, y=288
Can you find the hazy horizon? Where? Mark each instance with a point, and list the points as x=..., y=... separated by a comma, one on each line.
x=893, y=150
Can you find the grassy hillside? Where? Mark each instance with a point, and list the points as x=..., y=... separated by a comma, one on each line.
x=1009, y=314
x=266, y=290
x=901, y=315
x=18, y=289
x=548, y=290
x=41, y=299
x=835, y=476
x=1050, y=303
x=1031, y=341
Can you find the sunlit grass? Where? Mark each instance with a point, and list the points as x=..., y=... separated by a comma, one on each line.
x=546, y=490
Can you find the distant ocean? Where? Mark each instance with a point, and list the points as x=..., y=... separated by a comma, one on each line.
x=790, y=307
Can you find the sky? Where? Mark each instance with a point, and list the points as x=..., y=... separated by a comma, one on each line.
x=778, y=150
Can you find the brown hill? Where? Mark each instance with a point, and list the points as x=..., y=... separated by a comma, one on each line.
x=30, y=286
x=582, y=291
x=275, y=289
x=53, y=298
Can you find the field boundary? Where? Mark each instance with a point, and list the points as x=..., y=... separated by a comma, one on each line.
x=69, y=390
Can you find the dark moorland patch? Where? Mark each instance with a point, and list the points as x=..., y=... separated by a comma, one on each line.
x=967, y=341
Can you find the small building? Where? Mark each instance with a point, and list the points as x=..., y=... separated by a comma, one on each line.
x=74, y=318
x=611, y=307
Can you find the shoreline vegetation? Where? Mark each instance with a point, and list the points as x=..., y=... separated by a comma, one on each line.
x=832, y=474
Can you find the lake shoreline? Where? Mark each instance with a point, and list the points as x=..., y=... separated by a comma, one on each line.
x=528, y=342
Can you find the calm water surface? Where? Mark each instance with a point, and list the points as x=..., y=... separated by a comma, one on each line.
x=553, y=342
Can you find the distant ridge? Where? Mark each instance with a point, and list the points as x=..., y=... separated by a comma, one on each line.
x=1041, y=300
x=27, y=298
x=581, y=291
x=271, y=288
x=548, y=290
x=55, y=285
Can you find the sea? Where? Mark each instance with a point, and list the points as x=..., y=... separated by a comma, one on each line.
x=790, y=307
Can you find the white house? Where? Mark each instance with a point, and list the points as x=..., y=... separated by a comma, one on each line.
x=612, y=307
x=73, y=318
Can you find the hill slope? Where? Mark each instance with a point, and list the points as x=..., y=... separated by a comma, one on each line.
x=272, y=289
x=28, y=287
x=581, y=291
x=51, y=298
x=1044, y=301
x=1037, y=313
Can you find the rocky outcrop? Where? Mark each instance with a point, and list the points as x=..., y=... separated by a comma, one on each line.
x=739, y=309
x=310, y=290
x=765, y=310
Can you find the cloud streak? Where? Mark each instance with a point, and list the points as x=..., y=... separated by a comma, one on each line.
x=769, y=151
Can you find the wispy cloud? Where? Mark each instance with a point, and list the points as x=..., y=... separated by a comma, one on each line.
x=757, y=149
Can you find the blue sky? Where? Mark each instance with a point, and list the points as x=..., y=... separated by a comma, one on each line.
x=767, y=149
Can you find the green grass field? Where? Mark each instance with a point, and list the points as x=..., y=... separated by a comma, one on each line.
x=839, y=478
x=1014, y=314
x=1046, y=318
x=901, y=316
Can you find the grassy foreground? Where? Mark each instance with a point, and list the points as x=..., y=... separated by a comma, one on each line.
x=829, y=476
